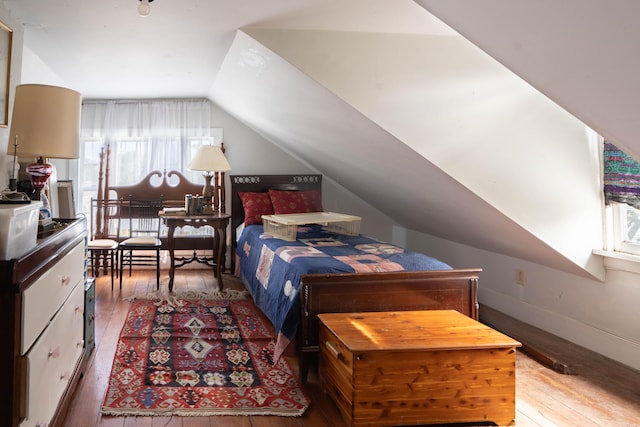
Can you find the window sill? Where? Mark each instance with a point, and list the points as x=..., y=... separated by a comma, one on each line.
x=619, y=260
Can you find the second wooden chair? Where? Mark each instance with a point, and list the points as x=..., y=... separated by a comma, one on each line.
x=141, y=245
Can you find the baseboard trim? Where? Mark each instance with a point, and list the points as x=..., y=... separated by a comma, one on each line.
x=602, y=342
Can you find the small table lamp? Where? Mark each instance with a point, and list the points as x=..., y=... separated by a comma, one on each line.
x=210, y=159
x=45, y=123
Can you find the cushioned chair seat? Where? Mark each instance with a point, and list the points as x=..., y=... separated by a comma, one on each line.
x=103, y=253
x=102, y=244
x=142, y=241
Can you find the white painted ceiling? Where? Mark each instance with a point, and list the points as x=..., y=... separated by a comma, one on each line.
x=304, y=118
x=105, y=50
x=582, y=54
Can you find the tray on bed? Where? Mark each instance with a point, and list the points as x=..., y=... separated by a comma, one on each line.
x=285, y=226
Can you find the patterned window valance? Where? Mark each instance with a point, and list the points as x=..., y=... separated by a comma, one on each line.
x=621, y=177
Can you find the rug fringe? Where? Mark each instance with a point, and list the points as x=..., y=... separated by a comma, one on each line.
x=197, y=413
x=209, y=294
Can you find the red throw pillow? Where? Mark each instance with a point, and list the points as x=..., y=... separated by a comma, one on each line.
x=313, y=200
x=255, y=205
x=288, y=202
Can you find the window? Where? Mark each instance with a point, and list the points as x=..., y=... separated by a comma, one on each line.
x=622, y=196
x=625, y=228
x=141, y=136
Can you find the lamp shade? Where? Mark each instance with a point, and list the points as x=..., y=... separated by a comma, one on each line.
x=209, y=158
x=46, y=120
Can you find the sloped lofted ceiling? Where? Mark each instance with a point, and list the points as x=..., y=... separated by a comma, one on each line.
x=582, y=54
x=193, y=48
x=297, y=113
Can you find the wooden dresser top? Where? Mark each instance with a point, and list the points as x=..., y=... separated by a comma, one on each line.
x=413, y=330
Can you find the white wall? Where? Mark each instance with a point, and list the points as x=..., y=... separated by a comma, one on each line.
x=15, y=72
x=529, y=158
x=566, y=50
x=472, y=118
x=591, y=313
x=249, y=153
x=600, y=316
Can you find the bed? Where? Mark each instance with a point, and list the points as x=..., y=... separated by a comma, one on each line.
x=170, y=187
x=317, y=293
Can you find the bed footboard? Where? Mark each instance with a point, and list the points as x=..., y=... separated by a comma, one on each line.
x=393, y=291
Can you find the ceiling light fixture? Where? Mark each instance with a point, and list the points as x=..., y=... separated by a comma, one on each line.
x=144, y=9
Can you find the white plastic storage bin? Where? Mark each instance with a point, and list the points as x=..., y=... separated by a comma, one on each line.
x=18, y=229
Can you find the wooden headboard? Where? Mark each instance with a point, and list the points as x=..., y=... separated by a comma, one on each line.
x=262, y=183
x=170, y=187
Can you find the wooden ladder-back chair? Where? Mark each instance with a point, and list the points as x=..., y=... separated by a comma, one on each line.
x=104, y=218
x=143, y=236
x=103, y=247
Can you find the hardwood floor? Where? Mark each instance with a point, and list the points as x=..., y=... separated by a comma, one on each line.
x=600, y=393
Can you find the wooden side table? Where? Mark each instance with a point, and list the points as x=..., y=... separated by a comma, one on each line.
x=219, y=223
x=417, y=367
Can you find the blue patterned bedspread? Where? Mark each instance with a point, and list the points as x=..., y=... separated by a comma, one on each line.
x=271, y=267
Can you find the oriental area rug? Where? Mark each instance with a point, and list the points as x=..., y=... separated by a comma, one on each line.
x=196, y=355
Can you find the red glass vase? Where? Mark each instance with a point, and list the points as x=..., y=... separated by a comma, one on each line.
x=39, y=173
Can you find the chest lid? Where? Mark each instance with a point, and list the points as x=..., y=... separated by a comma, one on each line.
x=413, y=330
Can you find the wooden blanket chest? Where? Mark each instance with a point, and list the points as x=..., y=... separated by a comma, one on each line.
x=417, y=367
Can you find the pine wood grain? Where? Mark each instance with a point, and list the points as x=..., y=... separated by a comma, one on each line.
x=406, y=367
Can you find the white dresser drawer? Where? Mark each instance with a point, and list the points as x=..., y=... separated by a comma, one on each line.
x=52, y=360
x=43, y=298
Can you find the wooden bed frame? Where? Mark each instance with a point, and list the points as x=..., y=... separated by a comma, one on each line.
x=170, y=187
x=356, y=292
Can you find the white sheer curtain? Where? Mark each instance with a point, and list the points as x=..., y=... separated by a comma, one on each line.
x=142, y=135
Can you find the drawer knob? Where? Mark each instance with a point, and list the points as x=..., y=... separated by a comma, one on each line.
x=80, y=343
x=41, y=424
x=66, y=280
x=64, y=376
x=336, y=353
x=55, y=353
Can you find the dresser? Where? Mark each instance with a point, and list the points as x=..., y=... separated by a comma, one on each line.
x=89, y=316
x=42, y=346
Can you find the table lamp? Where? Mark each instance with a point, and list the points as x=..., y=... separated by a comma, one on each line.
x=210, y=159
x=45, y=123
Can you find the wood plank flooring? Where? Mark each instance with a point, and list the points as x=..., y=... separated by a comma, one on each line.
x=601, y=393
